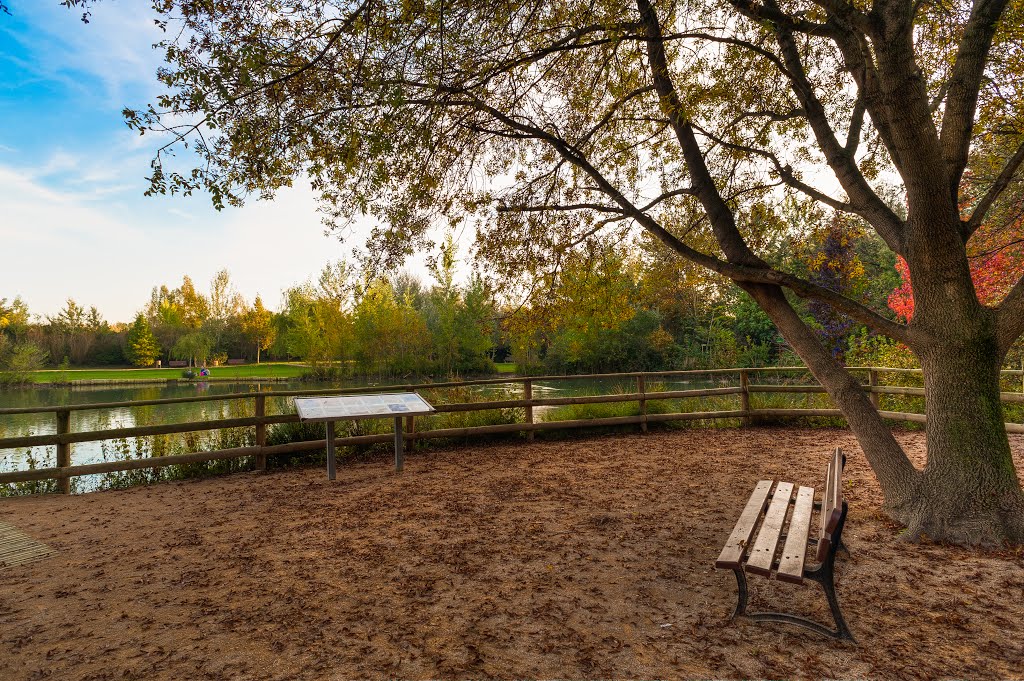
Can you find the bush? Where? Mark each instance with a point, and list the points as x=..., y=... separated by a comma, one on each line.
x=286, y=433
x=323, y=373
x=18, y=361
x=15, y=489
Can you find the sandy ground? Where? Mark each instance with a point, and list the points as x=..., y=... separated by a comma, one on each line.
x=576, y=559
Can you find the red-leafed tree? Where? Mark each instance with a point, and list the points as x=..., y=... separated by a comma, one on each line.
x=996, y=257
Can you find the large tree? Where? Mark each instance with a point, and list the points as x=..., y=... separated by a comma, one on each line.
x=258, y=326
x=556, y=122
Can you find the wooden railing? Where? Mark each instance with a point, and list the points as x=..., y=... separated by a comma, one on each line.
x=64, y=438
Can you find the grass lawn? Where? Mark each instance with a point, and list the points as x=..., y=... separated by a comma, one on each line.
x=267, y=370
x=249, y=371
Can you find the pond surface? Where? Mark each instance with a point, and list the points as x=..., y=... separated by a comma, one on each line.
x=18, y=425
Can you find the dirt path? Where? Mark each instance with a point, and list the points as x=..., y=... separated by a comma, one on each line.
x=574, y=559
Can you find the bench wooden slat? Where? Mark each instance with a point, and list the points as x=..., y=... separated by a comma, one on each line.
x=837, y=490
x=831, y=504
x=791, y=565
x=735, y=547
x=762, y=555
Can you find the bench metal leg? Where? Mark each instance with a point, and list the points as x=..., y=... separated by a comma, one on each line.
x=741, y=602
x=823, y=575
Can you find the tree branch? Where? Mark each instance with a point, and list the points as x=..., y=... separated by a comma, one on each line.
x=754, y=271
x=723, y=223
x=1010, y=317
x=534, y=208
x=964, y=86
x=862, y=196
x=773, y=15
x=971, y=225
x=785, y=173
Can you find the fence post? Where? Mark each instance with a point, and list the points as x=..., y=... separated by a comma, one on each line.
x=641, y=387
x=745, y=396
x=873, y=383
x=399, y=446
x=63, y=449
x=528, y=396
x=410, y=427
x=261, y=431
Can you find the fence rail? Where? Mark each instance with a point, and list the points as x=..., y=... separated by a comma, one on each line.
x=64, y=438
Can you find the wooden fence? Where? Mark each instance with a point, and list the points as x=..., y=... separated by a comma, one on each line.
x=64, y=438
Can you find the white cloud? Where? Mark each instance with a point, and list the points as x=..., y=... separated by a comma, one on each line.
x=111, y=253
x=115, y=48
x=73, y=221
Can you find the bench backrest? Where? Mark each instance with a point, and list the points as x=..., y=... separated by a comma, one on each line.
x=833, y=508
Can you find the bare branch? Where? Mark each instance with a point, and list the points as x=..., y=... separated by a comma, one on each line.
x=862, y=196
x=762, y=13
x=856, y=126
x=1002, y=181
x=785, y=172
x=534, y=208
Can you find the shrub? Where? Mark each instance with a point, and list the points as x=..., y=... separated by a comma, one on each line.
x=18, y=361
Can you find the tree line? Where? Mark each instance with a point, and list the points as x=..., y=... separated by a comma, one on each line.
x=337, y=322
x=611, y=308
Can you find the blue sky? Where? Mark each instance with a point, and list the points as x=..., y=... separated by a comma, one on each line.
x=73, y=218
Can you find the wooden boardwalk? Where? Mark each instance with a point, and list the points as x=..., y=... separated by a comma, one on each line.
x=17, y=548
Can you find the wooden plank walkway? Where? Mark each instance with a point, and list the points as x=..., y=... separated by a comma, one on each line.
x=17, y=548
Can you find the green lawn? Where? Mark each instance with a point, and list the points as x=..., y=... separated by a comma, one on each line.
x=268, y=370
x=249, y=371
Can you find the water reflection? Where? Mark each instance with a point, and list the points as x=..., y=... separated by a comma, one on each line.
x=18, y=425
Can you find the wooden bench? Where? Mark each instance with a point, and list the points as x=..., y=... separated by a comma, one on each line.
x=761, y=557
x=232, y=362
x=177, y=364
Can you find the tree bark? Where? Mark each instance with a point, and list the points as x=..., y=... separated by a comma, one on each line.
x=896, y=475
x=969, y=492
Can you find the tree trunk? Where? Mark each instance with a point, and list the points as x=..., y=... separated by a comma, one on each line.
x=969, y=492
x=896, y=475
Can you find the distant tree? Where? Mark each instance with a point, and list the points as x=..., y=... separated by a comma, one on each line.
x=314, y=325
x=474, y=324
x=18, y=360
x=194, y=346
x=14, y=318
x=834, y=264
x=226, y=306
x=391, y=337
x=751, y=326
x=73, y=331
x=258, y=327
x=142, y=347
x=194, y=307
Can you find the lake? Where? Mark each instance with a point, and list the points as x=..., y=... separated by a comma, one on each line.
x=17, y=425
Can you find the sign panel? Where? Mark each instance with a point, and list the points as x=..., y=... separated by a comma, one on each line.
x=360, y=406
